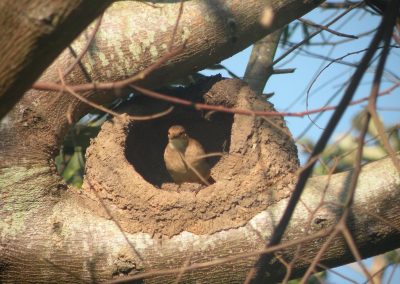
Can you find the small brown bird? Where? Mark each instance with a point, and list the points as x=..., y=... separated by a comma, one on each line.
x=183, y=158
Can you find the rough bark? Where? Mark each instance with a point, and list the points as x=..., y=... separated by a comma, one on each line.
x=133, y=36
x=259, y=68
x=70, y=243
x=27, y=28
x=51, y=232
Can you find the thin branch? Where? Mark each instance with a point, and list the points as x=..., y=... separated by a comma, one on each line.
x=339, y=5
x=337, y=42
x=325, y=28
x=178, y=18
x=330, y=270
x=85, y=49
x=314, y=34
x=356, y=253
x=312, y=214
x=193, y=169
x=355, y=102
x=283, y=71
x=318, y=256
x=338, y=60
x=109, y=111
x=202, y=106
x=183, y=268
x=208, y=155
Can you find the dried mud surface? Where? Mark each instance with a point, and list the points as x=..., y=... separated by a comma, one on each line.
x=125, y=164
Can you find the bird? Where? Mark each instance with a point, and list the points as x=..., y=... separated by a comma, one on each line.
x=184, y=158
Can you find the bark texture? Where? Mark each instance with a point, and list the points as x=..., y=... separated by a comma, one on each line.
x=134, y=36
x=70, y=243
x=33, y=33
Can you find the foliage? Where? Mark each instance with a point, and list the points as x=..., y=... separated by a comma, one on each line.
x=341, y=153
x=70, y=161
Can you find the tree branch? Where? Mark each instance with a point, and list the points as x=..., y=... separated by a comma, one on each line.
x=69, y=236
x=33, y=33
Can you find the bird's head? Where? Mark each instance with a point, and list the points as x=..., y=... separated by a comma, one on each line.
x=177, y=137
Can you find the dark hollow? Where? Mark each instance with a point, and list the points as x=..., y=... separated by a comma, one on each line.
x=147, y=140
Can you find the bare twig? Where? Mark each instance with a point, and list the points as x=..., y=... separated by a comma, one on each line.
x=85, y=49
x=385, y=92
x=183, y=268
x=337, y=60
x=283, y=71
x=108, y=111
x=314, y=34
x=178, y=18
x=219, y=108
x=318, y=256
x=337, y=42
x=345, y=277
x=193, y=169
x=354, y=250
x=325, y=28
x=339, y=5
x=208, y=155
x=312, y=214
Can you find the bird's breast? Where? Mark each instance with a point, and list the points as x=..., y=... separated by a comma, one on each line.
x=180, y=164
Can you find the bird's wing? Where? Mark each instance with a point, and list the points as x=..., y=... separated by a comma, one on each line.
x=194, y=151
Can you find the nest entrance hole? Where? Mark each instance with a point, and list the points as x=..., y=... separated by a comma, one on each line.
x=147, y=140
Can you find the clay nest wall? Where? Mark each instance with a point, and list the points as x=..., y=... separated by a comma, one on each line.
x=125, y=166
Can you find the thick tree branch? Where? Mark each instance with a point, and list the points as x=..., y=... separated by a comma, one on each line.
x=133, y=36
x=71, y=243
x=33, y=33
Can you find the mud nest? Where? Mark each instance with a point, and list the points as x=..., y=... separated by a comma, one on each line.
x=125, y=166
